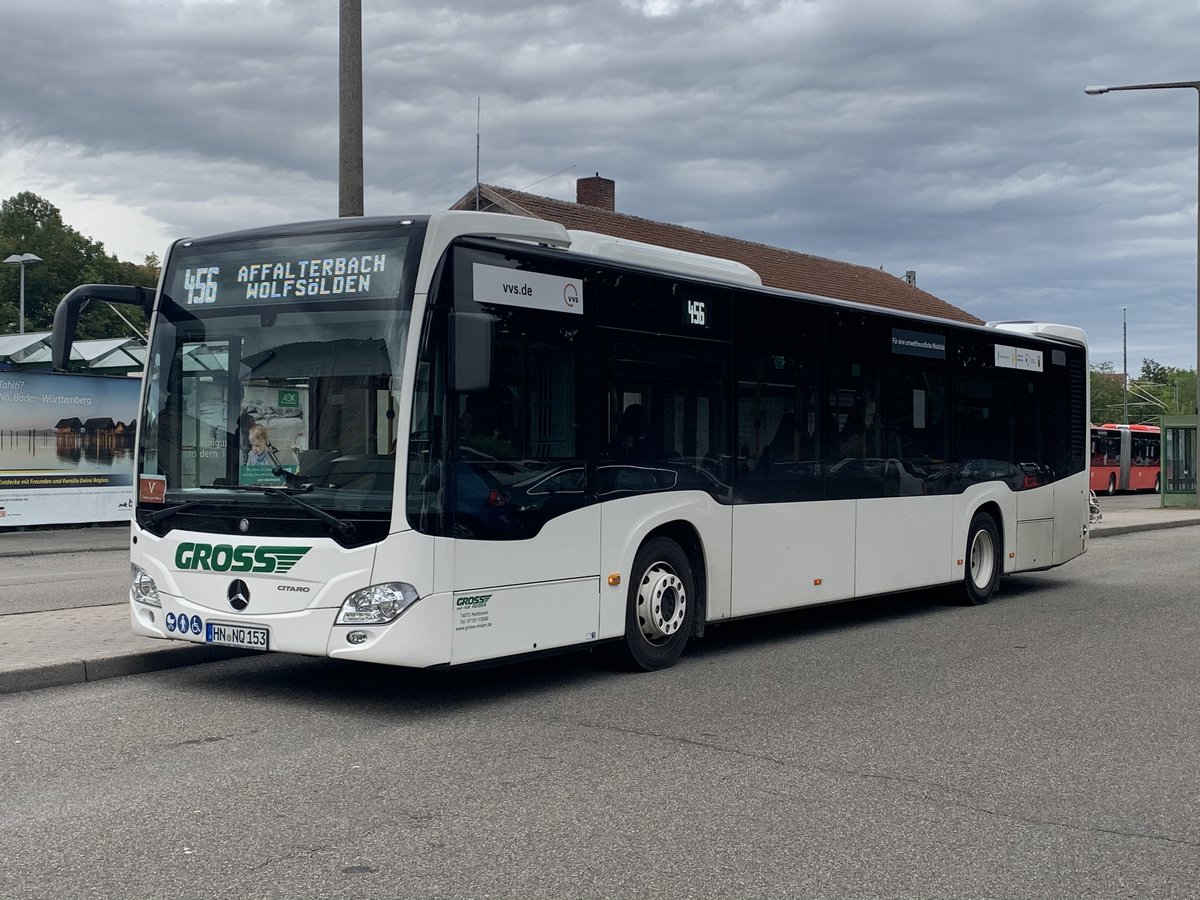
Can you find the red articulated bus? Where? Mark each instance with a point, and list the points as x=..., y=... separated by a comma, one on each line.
x=1125, y=458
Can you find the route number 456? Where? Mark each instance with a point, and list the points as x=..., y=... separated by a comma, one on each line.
x=200, y=285
x=695, y=311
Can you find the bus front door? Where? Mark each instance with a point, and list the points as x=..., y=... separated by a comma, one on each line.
x=525, y=527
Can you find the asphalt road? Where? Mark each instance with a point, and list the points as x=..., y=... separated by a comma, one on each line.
x=63, y=581
x=1041, y=746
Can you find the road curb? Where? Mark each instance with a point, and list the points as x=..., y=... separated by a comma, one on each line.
x=1149, y=526
x=77, y=671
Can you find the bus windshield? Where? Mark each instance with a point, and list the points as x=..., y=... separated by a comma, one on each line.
x=274, y=366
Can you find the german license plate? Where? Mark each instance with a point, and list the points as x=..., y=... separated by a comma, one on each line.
x=236, y=635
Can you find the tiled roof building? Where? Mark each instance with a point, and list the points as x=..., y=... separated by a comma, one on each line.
x=777, y=267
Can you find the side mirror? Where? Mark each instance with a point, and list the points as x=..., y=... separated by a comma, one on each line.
x=470, y=352
x=66, y=315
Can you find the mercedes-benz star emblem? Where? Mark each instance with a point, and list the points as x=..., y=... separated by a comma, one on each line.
x=238, y=594
x=244, y=526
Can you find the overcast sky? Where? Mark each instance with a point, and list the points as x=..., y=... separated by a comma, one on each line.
x=951, y=137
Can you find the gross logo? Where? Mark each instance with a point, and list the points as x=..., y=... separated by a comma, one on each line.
x=227, y=558
x=472, y=602
x=238, y=594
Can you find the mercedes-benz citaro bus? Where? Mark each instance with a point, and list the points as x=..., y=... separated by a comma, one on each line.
x=465, y=437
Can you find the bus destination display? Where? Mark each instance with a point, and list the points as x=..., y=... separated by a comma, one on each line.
x=228, y=278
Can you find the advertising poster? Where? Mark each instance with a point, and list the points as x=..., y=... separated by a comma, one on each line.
x=67, y=446
x=273, y=428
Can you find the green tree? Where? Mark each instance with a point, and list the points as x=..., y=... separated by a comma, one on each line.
x=1162, y=390
x=32, y=224
x=1107, y=395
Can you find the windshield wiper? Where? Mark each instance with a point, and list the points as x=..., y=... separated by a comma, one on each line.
x=344, y=528
x=290, y=479
x=160, y=514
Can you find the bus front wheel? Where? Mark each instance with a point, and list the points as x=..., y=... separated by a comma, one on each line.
x=983, y=560
x=661, y=606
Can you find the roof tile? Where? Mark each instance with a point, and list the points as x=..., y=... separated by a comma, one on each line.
x=776, y=266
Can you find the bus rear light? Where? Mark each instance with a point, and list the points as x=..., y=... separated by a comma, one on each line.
x=378, y=604
x=495, y=498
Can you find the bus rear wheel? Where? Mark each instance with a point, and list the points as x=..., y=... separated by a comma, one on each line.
x=983, y=560
x=661, y=606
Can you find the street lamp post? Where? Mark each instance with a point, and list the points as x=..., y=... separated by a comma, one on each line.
x=1168, y=85
x=23, y=260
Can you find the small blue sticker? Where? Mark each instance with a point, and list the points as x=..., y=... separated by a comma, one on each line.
x=197, y=625
x=170, y=621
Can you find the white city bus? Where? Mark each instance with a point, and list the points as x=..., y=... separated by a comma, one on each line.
x=464, y=437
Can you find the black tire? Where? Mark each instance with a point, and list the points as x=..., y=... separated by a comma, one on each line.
x=1158, y=484
x=661, y=606
x=1112, y=485
x=982, y=560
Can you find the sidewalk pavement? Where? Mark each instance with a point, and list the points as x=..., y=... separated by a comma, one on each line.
x=66, y=646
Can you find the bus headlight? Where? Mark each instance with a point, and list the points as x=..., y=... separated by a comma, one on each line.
x=377, y=604
x=143, y=590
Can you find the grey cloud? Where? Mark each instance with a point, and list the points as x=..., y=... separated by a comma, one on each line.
x=950, y=137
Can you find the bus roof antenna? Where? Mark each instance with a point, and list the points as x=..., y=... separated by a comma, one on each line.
x=478, y=104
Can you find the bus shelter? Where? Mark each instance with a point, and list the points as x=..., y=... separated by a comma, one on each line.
x=1178, y=461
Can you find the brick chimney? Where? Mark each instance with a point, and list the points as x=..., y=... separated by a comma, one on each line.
x=597, y=191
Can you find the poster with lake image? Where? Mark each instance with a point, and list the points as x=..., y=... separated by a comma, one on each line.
x=67, y=445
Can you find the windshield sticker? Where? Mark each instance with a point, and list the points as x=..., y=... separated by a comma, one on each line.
x=152, y=489
x=534, y=290
x=1018, y=358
